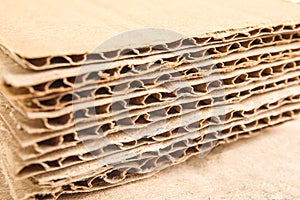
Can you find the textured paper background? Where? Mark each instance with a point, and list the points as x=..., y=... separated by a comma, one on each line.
x=4, y=190
x=36, y=28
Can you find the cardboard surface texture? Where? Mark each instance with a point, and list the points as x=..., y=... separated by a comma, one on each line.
x=75, y=27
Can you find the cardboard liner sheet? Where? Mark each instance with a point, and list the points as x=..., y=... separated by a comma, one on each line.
x=59, y=38
x=73, y=60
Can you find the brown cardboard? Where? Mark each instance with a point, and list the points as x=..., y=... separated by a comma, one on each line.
x=125, y=181
x=77, y=27
x=266, y=98
x=17, y=77
x=255, y=73
x=39, y=126
x=23, y=137
x=36, y=100
x=118, y=157
x=241, y=163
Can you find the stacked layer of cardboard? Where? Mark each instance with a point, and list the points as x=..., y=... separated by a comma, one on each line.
x=76, y=120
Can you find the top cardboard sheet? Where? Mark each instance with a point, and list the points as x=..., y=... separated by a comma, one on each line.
x=33, y=29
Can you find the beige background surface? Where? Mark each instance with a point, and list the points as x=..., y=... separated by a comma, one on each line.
x=4, y=190
x=266, y=166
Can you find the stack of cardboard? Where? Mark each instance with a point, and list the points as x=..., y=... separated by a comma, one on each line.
x=74, y=119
